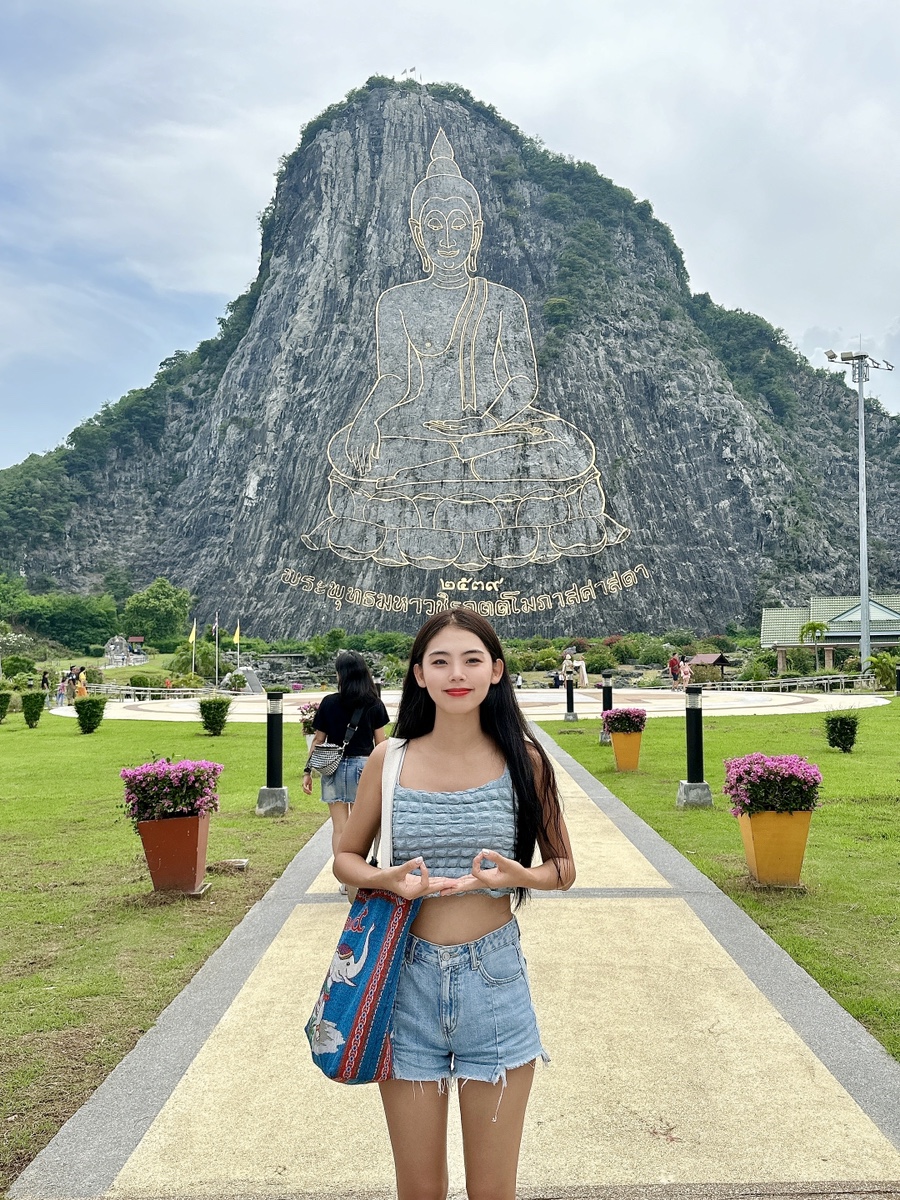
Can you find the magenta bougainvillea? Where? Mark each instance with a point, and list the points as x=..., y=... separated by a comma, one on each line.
x=771, y=783
x=308, y=715
x=625, y=720
x=162, y=789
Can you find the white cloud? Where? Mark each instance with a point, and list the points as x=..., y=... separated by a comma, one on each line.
x=139, y=143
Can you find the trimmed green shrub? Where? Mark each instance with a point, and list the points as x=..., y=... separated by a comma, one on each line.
x=89, y=711
x=96, y=651
x=841, y=730
x=238, y=682
x=32, y=707
x=17, y=664
x=5, y=698
x=214, y=714
x=704, y=673
x=94, y=674
x=599, y=658
x=188, y=681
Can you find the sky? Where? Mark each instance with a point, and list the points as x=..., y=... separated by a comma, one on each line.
x=138, y=144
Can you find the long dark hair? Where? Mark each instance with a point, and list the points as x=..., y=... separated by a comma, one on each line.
x=535, y=794
x=355, y=683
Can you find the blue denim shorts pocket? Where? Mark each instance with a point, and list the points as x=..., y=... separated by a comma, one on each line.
x=340, y=788
x=501, y=965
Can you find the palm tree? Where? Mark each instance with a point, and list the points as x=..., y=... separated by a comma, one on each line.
x=814, y=630
x=884, y=667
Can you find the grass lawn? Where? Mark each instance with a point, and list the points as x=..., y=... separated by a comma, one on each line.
x=844, y=929
x=88, y=955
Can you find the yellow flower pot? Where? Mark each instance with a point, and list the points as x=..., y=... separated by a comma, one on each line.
x=774, y=844
x=627, y=749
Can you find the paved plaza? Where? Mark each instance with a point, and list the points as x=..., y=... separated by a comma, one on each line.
x=538, y=704
x=691, y=1056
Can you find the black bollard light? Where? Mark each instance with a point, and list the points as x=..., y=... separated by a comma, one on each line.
x=571, y=714
x=694, y=792
x=607, y=703
x=272, y=800
x=607, y=690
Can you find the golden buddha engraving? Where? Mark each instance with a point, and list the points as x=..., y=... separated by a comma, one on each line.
x=448, y=461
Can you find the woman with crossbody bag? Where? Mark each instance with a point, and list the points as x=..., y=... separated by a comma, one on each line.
x=472, y=796
x=356, y=691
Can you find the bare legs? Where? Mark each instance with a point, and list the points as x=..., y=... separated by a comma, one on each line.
x=417, y=1123
x=340, y=814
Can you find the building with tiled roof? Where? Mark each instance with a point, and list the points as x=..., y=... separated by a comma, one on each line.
x=781, y=626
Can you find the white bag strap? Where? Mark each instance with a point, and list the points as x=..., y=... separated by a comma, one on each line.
x=390, y=775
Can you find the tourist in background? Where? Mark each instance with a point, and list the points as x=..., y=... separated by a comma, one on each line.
x=45, y=688
x=356, y=689
x=675, y=671
x=687, y=673
x=61, y=691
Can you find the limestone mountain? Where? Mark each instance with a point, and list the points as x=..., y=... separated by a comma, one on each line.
x=469, y=371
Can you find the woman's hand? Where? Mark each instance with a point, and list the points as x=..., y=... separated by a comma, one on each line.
x=505, y=873
x=403, y=882
x=307, y=783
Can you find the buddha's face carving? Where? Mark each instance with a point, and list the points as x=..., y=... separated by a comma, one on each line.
x=447, y=234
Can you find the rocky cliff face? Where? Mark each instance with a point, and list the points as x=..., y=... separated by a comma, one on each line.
x=632, y=487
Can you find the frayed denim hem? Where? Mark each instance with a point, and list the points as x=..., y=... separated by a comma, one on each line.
x=447, y=1083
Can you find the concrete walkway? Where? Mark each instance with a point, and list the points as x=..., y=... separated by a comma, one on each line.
x=691, y=1056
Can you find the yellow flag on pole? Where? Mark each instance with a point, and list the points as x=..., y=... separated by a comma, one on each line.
x=192, y=637
x=237, y=634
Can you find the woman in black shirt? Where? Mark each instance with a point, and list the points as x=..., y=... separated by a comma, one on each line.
x=356, y=689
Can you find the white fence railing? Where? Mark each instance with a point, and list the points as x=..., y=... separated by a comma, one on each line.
x=124, y=691
x=822, y=683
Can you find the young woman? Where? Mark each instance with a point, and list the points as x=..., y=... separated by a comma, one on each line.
x=476, y=795
x=356, y=689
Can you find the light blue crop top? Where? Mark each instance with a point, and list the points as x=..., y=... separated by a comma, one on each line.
x=449, y=828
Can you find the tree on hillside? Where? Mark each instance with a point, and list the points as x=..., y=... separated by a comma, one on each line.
x=118, y=582
x=814, y=631
x=203, y=659
x=159, y=612
x=73, y=620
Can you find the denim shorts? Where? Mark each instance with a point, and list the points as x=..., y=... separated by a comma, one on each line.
x=464, y=1012
x=340, y=788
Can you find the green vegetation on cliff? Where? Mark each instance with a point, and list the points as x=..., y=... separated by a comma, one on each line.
x=37, y=496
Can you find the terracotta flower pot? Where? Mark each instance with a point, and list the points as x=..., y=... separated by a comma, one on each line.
x=176, y=852
x=774, y=844
x=627, y=750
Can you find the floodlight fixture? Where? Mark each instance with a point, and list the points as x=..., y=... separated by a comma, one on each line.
x=861, y=362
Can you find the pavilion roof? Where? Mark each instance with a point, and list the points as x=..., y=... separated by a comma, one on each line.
x=781, y=626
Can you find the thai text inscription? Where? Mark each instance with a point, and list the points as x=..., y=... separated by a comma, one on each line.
x=505, y=603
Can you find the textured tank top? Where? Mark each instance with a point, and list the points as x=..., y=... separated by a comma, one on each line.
x=449, y=828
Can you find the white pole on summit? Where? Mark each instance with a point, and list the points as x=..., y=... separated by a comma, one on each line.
x=217, y=649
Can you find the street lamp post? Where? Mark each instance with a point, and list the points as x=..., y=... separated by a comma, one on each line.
x=860, y=366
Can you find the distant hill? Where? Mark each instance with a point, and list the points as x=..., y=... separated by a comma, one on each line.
x=727, y=463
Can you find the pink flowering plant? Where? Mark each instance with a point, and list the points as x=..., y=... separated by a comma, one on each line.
x=308, y=715
x=162, y=789
x=771, y=783
x=625, y=720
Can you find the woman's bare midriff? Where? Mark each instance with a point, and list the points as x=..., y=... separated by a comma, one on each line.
x=450, y=920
